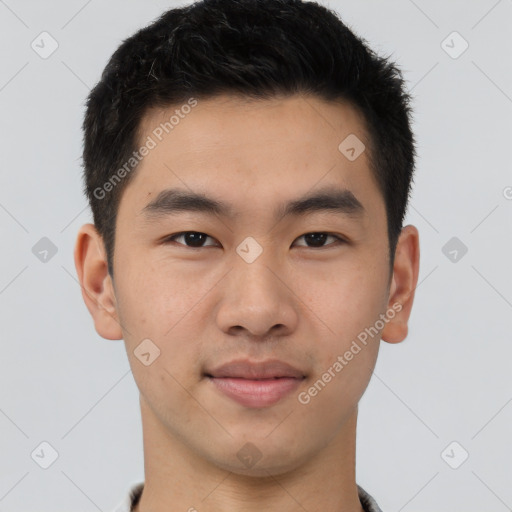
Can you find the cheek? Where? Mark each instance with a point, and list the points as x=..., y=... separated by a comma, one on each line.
x=160, y=311
x=344, y=301
x=346, y=354
x=329, y=404
x=345, y=307
x=164, y=305
x=155, y=297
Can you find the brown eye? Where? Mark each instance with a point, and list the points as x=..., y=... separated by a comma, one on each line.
x=317, y=240
x=192, y=239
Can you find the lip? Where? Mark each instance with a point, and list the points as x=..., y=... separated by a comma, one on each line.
x=256, y=384
x=245, y=369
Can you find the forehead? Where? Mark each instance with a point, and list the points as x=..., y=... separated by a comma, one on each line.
x=291, y=122
x=251, y=152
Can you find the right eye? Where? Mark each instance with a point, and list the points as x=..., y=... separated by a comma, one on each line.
x=193, y=239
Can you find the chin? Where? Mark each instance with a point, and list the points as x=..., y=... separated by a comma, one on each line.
x=259, y=459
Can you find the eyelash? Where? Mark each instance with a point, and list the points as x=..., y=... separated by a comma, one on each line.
x=339, y=240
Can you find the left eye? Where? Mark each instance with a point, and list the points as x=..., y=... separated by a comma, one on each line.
x=196, y=239
x=319, y=238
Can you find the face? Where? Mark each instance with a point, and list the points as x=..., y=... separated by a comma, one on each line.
x=259, y=273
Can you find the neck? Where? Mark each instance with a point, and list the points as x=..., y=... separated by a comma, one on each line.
x=177, y=479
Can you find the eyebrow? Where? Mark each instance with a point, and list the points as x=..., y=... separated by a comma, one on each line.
x=328, y=199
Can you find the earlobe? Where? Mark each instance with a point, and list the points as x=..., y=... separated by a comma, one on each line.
x=96, y=283
x=403, y=286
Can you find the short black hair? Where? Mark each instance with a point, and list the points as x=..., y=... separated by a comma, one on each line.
x=257, y=49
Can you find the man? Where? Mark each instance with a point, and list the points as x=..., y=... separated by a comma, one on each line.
x=248, y=165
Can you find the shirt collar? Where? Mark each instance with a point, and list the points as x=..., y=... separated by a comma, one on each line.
x=135, y=492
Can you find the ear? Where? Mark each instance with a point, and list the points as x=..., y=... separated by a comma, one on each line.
x=96, y=282
x=404, y=281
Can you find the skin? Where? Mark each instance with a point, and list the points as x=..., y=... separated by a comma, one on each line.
x=301, y=303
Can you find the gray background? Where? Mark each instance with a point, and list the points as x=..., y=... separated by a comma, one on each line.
x=450, y=380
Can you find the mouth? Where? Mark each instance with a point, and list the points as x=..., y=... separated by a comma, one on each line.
x=255, y=384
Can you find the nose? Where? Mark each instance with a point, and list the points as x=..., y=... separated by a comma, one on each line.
x=257, y=301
